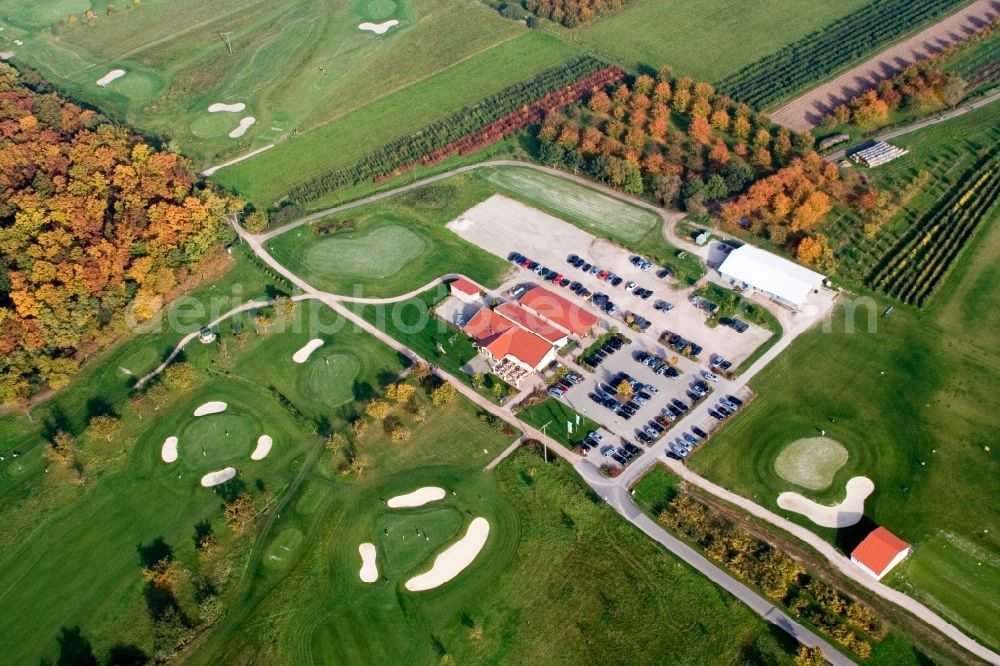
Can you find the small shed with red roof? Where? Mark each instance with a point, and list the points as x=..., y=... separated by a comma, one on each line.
x=465, y=290
x=879, y=552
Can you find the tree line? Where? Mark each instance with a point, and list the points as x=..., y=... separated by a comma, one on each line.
x=829, y=49
x=97, y=228
x=673, y=139
x=410, y=150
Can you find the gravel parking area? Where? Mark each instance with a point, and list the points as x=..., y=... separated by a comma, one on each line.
x=501, y=225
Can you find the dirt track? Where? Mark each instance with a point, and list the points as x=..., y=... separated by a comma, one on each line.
x=806, y=111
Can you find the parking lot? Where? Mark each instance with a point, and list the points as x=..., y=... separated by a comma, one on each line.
x=657, y=401
x=501, y=225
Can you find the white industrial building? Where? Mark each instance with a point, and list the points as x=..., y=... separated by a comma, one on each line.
x=779, y=279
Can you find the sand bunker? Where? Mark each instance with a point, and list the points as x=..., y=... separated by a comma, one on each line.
x=369, y=571
x=212, y=407
x=845, y=514
x=378, y=28
x=454, y=559
x=418, y=497
x=811, y=462
x=220, y=476
x=169, y=450
x=245, y=124
x=110, y=76
x=227, y=108
x=263, y=447
x=303, y=354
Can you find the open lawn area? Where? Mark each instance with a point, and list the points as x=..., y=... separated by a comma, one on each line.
x=391, y=247
x=69, y=545
x=689, y=34
x=269, y=176
x=556, y=415
x=608, y=588
x=296, y=65
x=910, y=401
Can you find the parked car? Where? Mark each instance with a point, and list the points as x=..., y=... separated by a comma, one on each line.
x=679, y=405
x=736, y=401
x=722, y=410
x=586, y=267
x=607, y=451
x=619, y=459
x=571, y=259
x=652, y=389
x=689, y=438
x=698, y=431
x=629, y=286
x=710, y=376
x=615, y=281
x=715, y=415
x=596, y=436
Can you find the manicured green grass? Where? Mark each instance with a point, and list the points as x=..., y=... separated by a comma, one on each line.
x=596, y=212
x=267, y=177
x=910, y=403
x=610, y=587
x=297, y=65
x=557, y=414
x=400, y=244
x=689, y=34
x=657, y=487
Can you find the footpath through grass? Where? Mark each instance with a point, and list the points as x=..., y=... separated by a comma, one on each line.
x=909, y=399
x=393, y=246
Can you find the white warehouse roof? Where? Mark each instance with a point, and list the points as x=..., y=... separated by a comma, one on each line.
x=770, y=274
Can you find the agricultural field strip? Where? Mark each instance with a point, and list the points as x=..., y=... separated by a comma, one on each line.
x=823, y=52
x=802, y=113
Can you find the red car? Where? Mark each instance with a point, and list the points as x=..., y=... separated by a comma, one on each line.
x=602, y=275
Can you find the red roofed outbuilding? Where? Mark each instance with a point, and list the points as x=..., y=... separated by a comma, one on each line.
x=465, y=290
x=879, y=552
x=558, y=311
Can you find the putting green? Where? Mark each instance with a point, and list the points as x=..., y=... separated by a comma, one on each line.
x=811, y=462
x=137, y=86
x=377, y=10
x=203, y=443
x=283, y=548
x=212, y=125
x=329, y=378
x=378, y=253
x=404, y=552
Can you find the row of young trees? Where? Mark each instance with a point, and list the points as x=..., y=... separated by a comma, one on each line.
x=824, y=51
x=916, y=266
x=97, y=229
x=672, y=138
x=921, y=85
x=415, y=146
x=779, y=576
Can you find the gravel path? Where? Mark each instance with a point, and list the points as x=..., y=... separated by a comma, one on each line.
x=807, y=111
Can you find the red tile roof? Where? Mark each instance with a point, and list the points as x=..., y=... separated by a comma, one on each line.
x=486, y=325
x=558, y=310
x=525, y=319
x=465, y=286
x=879, y=549
x=526, y=347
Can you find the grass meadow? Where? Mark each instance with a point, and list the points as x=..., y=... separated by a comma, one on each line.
x=705, y=40
x=911, y=403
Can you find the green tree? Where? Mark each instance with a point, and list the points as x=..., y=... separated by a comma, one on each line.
x=180, y=376
x=443, y=394
x=104, y=425
x=256, y=222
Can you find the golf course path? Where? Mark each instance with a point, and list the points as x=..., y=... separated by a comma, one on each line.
x=626, y=507
x=808, y=110
x=668, y=217
x=617, y=491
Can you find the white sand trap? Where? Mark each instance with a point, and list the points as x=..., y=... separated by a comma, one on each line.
x=303, y=354
x=378, y=28
x=226, y=108
x=418, y=497
x=245, y=124
x=369, y=570
x=263, y=447
x=211, y=407
x=845, y=514
x=169, y=450
x=110, y=76
x=453, y=559
x=220, y=476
